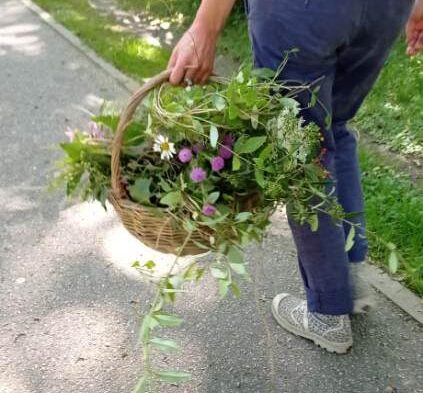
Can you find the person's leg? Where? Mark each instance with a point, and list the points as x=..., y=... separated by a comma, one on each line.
x=317, y=28
x=358, y=67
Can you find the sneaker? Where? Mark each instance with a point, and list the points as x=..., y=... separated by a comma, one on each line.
x=362, y=293
x=331, y=332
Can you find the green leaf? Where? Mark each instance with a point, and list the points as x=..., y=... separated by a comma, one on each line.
x=174, y=376
x=213, y=197
x=236, y=164
x=147, y=325
x=314, y=223
x=264, y=155
x=224, y=288
x=240, y=77
x=165, y=186
x=259, y=175
x=140, y=191
x=168, y=320
x=350, y=239
x=150, y=265
x=141, y=385
x=214, y=136
x=235, y=255
x=235, y=290
x=244, y=216
x=218, y=272
x=173, y=199
x=250, y=145
x=393, y=262
x=198, y=127
x=136, y=264
x=219, y=102
x=254, y=120
x=239, y=268
x=164, y=345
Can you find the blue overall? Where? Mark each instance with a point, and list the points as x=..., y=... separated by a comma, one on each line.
x=344, y=44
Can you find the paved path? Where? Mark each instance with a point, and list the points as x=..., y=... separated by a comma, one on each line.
x=69, y=300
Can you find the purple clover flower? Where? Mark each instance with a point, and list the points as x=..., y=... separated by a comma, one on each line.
x=209, y=210
x=225, y=152
x=185, y=155
x=198, y=175
x=228, y=140
x=217, y=164
x=95, y=131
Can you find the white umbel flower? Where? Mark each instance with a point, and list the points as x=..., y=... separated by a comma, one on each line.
x=164, y=147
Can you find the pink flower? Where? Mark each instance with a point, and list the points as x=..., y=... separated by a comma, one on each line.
x=70, y=134
x=209, y=210
x=217, y=164
x=185, y=155
x=226, y=152
x=198, y=175
x=95, y=131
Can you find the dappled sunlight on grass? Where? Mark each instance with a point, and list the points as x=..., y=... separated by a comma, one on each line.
x=133, y=55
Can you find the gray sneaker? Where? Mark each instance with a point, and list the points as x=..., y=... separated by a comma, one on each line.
x=331, y=332
x=362, y=293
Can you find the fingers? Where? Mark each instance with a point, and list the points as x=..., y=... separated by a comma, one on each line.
x=178, y=72
x=415, y=43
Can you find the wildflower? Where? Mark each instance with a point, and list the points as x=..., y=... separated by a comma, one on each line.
x=198, y=175
x=95, y=131
x=185, y=155
x=228, y=140
x=197, y=148
x=226, y=152
x=70, y=134
x=209, y=210
x=217, y=164
x=163, y=146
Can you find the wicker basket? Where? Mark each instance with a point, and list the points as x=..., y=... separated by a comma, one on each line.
x=153, y=227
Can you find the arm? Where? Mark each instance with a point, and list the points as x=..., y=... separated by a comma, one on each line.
x=194, y=55
x=414, y=29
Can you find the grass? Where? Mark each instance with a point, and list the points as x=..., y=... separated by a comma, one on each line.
x=394, y=210
x=392, y=114
x=133, y=56
x=233, y=40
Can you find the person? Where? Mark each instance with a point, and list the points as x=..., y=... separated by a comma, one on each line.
x=344, y=45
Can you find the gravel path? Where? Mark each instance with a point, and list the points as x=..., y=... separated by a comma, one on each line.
x=70, y=301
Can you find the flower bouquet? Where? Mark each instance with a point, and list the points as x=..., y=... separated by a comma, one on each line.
x=200, y=168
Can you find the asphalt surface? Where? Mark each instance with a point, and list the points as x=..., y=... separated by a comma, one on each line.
x=70, y=303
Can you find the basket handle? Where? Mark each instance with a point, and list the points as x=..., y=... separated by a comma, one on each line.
x=125, y=121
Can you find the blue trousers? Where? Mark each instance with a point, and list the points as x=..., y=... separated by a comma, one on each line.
x=344, y=44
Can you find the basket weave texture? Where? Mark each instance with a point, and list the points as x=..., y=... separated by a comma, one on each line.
x=152, y=226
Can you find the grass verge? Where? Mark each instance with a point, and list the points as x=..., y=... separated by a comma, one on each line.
x=135, y=57
x=394, y=211
x=393, y=111
x=394, y=203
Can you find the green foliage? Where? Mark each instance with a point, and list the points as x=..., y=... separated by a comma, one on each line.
x=393, y=111
x=394, y=209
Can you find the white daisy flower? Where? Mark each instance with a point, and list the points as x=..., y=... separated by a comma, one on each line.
x=163, y=146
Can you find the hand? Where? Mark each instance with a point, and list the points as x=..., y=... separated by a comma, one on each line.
x=414, y=30
x=193, y=57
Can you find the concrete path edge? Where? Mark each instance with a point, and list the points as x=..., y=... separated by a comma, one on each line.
x=393, y=290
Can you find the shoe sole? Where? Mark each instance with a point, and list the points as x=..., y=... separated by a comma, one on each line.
x=339, y=348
